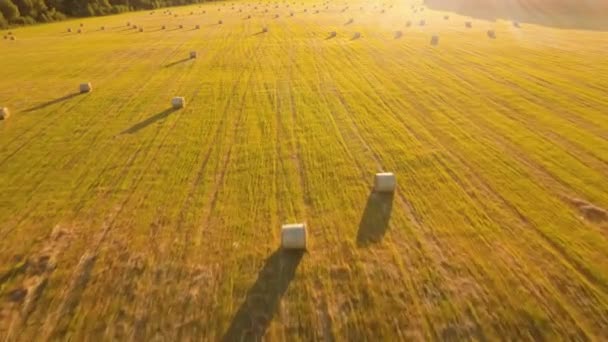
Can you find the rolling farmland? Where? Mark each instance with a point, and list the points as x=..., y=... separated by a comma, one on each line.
x=124, y=219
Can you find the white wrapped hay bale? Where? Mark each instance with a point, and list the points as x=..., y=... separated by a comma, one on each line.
x=4, y=113
x=385, y=182
x=193, y=54
x=293, y=236
x=178, y=102
x=86, y=87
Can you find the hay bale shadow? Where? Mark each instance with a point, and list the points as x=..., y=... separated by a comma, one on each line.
x=52, y=102
x=177, y=62
x=147, y=122
x=255, y=314
x=331, y=35
x=375, y=219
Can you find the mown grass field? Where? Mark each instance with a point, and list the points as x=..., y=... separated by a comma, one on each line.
x=121, y=219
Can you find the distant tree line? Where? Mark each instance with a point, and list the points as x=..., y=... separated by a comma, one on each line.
x=23, y=12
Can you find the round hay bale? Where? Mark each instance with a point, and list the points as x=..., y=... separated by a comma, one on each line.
x=13, y=38
x=446, y=17
x=408, y=24
x=178, y=102
x=197, y=27
x=163, y=27
x=422, y=22
x=128, y=24
x=86, y=87
x=468, y=24
x=141, y=29
x=516, y=24
x=79, y=31
x=264, y=29
x=276, y=16
x=181, y=26
x=291, y=14
x=193, y=54
x=398, y=34
x=220, y=22
x=5, y=37
x=4, y=113
x=435, y=40
x=69, y=29
x=81, y=25
x=491, y=34
x=293, y=236
x=134, y=26
x=103, y=28
x=385, y=182
x=357, y=35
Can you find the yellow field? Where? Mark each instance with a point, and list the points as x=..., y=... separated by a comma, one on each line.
x=121, y=219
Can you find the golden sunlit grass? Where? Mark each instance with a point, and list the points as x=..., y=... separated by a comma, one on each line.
x=123, y=218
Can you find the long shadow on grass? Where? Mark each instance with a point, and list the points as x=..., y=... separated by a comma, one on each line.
x=141, y=125
x=255, y=314
x=177, y=62
x=52, y=102
x=376, y=216
x=583, y=15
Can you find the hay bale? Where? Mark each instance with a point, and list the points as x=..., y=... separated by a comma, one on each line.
x=193, y=54
x=81, y=25
x=197, y=27
x=181, y=26
x=293, y=236
x=163, y=27
x=69, y=29
x=79, y=31
x=86, y=87
x=422, y=22
x=446, y=17
x=220, y=22
x=291, y=14
x=4, y=113
x=468, y=24
x=398, y=34
x=357, y=35
x=103, y=28
x=350, y=21
x=491, y=34
x=141, y=29
x=385, y=182
x=128, y=24
x=178, y=102
x=408, y=24
x=264, y=29
x=435, y=40
x=134, y=26
x=516, y=24
x=5, y=37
